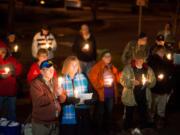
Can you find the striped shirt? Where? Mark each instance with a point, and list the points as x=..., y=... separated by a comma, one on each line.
x=42, y=41
x=80, y=84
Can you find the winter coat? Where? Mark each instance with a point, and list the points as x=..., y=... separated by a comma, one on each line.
x=130, y=49
x=46, y=107
x=161, y=66
x=96, y=79
x=126, y=81
x=8, y=82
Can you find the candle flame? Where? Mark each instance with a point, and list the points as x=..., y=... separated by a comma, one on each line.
x=169, y=56
x=144, y=80
x=60, y=87
x=60, y=79
x=86, y=47
x=108, y=81
x=16, y=47
x=76, y=93
x=6, y=69
x=161, y=76
x=47, y=45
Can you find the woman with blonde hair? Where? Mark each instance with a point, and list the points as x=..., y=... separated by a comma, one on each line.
x=74, y=83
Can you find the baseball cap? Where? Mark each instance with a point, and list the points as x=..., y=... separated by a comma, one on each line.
x=46, y=64
x=160, y=38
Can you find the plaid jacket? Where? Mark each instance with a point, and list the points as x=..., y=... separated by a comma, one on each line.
x=81, y=84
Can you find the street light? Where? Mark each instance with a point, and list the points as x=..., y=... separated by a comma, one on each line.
x=42, y=2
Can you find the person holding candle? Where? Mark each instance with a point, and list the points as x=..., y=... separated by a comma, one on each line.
x=84, y=48
x=13, y=44
x=46, y=101
x=163, y=87
x=74, y=117
x=34, y=70
x=104, y=77
x=137, y=78
x=46, y=40
x=10, y=70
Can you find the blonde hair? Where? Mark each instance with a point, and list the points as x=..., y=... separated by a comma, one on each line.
x=66, y=64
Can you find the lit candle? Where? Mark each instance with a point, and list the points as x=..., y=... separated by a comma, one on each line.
x=16, y=47
x=161, y=76
x=144, y=80
x=47, y=45
x=60, y=82
x=108, y=81
x=60, y=79
x=169, y=56
x=86, y=47
x=76, y=93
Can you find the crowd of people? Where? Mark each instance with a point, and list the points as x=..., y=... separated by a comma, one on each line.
x=147, y=80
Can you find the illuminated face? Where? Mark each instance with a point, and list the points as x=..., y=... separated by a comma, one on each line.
x=160, y=42
x=85, y=30
x=143, y=41
x=73, y=67
x=45, y=32
x=139, y=62
x=3, y=52
x=11, y=38
x=107, y=58
x=48, y=72
x=42, y=57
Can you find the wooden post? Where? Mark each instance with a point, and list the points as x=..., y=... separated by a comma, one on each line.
x=140, y=20
x=176, y=18
x=11, y=13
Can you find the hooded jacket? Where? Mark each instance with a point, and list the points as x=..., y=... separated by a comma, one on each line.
x=126, y=81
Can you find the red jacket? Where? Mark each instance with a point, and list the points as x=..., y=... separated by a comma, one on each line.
x=34, y=72
x=8, y=86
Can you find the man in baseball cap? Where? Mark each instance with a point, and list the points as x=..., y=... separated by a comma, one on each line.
x=44, y=92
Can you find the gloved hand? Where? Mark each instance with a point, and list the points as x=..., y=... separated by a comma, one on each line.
x=50, y=49
x=88, y=102
x=72, y=100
